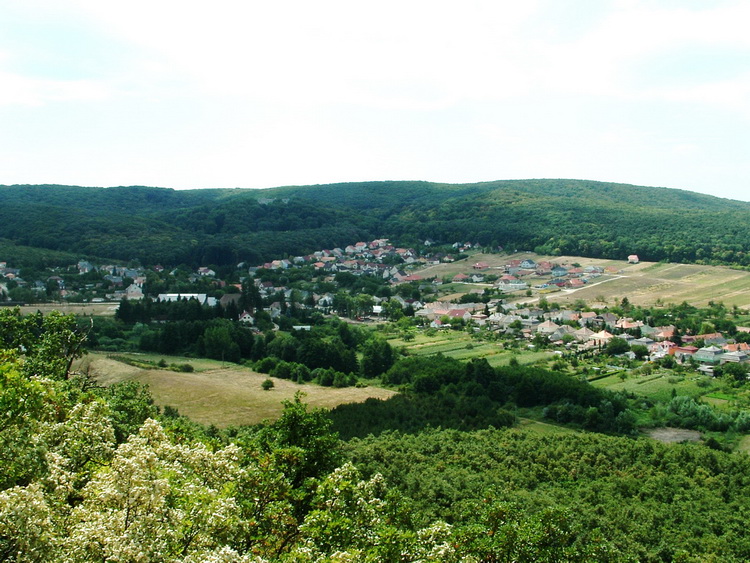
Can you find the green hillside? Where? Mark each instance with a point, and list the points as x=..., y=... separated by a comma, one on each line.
x=222, y=227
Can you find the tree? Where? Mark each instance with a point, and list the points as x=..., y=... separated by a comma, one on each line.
x=50, y=343
x=130, y=405
x=640, y=351
x=733, y=372
x=616, y=346
x=377, y=357
x=393, y=310
x=267, y=384
x=158, y=500
x=219, y=344
x=309, y=433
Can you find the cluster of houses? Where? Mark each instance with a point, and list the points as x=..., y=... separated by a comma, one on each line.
x=375, y=258
x=521, y=274
x=9, y=273
x=593, y=332
x=572, y=329
x=113, y=276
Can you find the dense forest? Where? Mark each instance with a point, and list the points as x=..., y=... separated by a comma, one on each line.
x=225, y=227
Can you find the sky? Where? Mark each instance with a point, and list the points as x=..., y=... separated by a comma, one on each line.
x=257, y=94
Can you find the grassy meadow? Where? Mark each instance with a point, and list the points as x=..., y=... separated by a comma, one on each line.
x=217, y=393
x=660, y=385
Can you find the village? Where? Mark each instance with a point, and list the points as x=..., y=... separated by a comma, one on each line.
x=495, y=300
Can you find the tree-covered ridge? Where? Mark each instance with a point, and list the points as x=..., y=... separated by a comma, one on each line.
x=223, y=227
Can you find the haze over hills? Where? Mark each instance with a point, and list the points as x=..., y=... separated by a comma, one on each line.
x=224, y=227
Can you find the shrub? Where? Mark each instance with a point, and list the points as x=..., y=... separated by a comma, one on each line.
x=266, y=364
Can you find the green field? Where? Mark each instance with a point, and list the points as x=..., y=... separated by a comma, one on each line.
x=461, y=346
x=659, y=386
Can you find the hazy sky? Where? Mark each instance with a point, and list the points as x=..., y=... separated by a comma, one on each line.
x=258, y=94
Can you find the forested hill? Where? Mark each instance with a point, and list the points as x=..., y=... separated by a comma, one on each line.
x=223, y=227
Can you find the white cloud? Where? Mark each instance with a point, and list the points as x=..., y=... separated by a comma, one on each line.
x=23, y=90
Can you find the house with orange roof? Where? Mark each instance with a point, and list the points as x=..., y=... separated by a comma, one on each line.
x=601, y=338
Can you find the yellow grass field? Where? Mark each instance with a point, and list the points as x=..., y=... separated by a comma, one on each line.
x=80, y=309
x=223, y=396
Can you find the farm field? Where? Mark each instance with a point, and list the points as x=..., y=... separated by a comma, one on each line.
x=659, y=386
x=222, y=395
x=460, y=345
x=646, y=283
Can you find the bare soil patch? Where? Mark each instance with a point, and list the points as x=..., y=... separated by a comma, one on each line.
x=673, y=435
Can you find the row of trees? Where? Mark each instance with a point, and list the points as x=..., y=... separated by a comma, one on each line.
x=440, y=391
x=331, y=344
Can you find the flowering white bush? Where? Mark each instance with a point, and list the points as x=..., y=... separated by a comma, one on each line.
x=157, y=500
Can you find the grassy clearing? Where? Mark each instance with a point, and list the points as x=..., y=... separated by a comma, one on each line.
x=720, y=395
x=543, y=428
x=658, y=387
x=154, y=361
x=744, y=445
x=650, y=283
x=461, y=346
x=525, y=358
x=223, y=395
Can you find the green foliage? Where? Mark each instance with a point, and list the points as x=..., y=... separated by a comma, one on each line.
x=89, y=475
x=735, y=373
x=222, y=227
x=586, y=497
x=616, y=346
x=130, y=405
x=307, y=434
x=49, y=343
x=24, y=406
x=377, y=357
x=640, y=351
